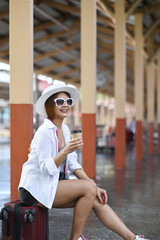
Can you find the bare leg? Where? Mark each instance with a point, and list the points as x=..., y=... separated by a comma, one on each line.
x=79, y=194
x=109, y=218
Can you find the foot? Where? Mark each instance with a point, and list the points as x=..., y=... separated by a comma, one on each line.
x=82, y=238
x=140, y=237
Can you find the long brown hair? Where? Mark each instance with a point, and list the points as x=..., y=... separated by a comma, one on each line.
x=49, y=105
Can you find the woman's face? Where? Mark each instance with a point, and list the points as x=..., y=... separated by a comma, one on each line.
x=63, y=111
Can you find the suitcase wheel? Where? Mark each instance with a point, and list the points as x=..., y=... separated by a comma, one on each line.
x=29, y=215
x=4, y=213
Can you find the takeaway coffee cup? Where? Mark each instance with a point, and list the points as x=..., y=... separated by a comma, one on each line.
x=77, y=133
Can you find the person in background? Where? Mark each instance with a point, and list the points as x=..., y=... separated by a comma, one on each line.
x=133, y=128
x=45, y=175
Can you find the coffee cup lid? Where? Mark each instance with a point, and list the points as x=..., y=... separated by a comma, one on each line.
x=76, y=131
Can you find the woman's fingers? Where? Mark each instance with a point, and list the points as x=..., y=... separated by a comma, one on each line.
x=102, y=196
x=74, y=144
x=105, y=198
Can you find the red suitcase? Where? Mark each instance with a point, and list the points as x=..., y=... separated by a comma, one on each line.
x=21, y=222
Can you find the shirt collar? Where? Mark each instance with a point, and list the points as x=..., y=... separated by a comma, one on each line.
x=49, y=124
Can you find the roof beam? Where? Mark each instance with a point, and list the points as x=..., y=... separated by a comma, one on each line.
x=64, y=74
x=154, y=55
x=130, y=37
x=49, y=36
x=107, y=47
x=4, y=13
x=75, y=79
x=71, y=9
x=132, y=8
x=54, y=66
x=105, y=30
x=4, y=53
x=106, y=9
x=4, y=60
x=50, y=54
x=107, y=21
x=103, y=36
x=155, y=24
x=43, y=26
x=63, y=7
x=149, y=9
x=3, y=41
x=46, y=25
x=54, y=20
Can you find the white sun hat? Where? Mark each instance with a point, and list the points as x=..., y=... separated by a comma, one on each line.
x=53, y=89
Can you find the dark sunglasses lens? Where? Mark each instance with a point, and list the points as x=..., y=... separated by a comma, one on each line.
x=60, y=102
x=69, y=101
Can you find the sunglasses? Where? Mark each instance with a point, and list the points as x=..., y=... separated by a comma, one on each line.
x=60, y=102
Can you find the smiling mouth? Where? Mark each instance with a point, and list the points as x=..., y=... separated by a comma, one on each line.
x=64, y=110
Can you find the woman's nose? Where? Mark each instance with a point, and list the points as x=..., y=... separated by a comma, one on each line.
x=65, y=103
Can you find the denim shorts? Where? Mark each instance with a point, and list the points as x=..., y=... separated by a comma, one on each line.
x=27, y=198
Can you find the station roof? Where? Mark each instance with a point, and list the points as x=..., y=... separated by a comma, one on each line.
x=57, y=40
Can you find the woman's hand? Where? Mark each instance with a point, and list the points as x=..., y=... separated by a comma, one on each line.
x=70, y=147
x=102, y=195
x=73, y=144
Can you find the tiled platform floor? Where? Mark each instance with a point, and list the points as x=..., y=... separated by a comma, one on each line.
x=134, y=193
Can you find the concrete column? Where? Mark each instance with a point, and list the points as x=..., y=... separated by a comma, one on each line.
x=139, y=82
x=158, y=99
x=120, y=83
x=21, y=86
x=88, y=84
x=150, y=105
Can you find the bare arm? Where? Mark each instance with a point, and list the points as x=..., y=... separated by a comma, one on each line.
x=79, y=173
x=72, y=145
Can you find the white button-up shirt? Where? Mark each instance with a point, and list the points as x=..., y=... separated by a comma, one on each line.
x=40, y=174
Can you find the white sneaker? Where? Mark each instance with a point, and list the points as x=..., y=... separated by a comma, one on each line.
x=82, y=238
x=140, y=237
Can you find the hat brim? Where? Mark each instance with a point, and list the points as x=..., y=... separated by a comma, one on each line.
x=40, y=104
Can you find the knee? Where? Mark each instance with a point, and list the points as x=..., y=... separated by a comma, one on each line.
x=91, y=189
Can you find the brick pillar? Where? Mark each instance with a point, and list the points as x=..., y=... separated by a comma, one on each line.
x=150, y=106
x=21, y=84
x=158, y=99
x=88, y=84
x=120, y=83
x=139, y=88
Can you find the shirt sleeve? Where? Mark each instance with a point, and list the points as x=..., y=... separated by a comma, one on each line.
x=45, y=154
x=72, y=162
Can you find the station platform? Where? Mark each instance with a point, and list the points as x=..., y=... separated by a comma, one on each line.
x=133, y=192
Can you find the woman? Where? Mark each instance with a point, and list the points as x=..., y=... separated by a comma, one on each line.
x=52, y=156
